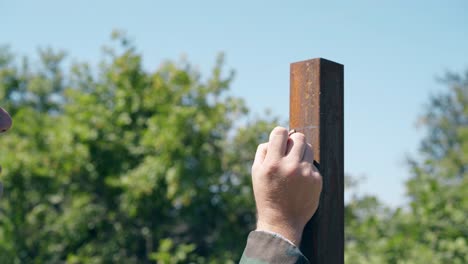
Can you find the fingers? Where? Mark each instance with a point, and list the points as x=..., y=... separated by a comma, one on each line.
x=277, y=144
x=308, y=154
x=308, y=161
x=280, y=145
x=297, y=147
x=260, y=154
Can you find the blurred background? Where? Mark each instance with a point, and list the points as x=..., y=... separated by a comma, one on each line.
x=135, y=125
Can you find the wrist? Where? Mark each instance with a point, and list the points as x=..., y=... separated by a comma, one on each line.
x=288, y=231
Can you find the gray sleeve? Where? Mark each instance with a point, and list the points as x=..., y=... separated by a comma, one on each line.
x=268, y=248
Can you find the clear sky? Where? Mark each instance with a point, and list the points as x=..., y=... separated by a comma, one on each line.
x=392, y=54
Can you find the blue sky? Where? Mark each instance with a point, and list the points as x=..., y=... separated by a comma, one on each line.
x=392, y=54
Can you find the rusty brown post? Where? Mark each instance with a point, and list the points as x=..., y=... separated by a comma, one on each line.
x=316, y=109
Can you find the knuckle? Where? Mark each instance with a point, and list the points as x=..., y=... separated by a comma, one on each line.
x=292, y=170
x=272, y=168
x=310, y=170
x=299, y=137
x=262, y=146
x=317, y=177
x=306, y=170
x=279, y=131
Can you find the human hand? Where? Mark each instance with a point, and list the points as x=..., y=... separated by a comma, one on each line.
x=286, y=184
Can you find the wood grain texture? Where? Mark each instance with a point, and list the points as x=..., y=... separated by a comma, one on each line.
x=317, y=110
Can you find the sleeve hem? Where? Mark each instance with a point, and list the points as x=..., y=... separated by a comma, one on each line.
x=271, y=248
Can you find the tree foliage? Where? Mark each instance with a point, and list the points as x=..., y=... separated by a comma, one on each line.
x=433, y=227
x=117, y=164
x=121, y=165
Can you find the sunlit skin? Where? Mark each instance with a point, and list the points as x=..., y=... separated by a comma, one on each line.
x=5, y=124
x=286, y=184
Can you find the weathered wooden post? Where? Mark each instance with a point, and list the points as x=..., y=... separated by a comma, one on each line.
x=316, y=109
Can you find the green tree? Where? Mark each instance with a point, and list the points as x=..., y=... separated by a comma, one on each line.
x=439, y=184
x=115, y=164
x=433, y=227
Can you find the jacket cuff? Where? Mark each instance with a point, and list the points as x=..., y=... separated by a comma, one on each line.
x=270, y=248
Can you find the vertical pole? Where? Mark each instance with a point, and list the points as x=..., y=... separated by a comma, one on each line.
x=316, y=109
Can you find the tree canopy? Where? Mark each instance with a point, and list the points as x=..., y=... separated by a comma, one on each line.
x=433, y=226
x=113, y=163
x=119, y=164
